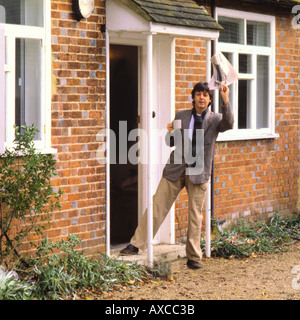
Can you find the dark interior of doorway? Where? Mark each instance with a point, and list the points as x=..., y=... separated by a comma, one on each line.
x=123, y=107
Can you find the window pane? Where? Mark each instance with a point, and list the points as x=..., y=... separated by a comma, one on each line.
x=2, y=14
x=233, y=30
x=245, y=63
x=228, y=56
x=262, y=112
x=258, y=33
x=244, y=101
x=23, y=12
x=28, y=83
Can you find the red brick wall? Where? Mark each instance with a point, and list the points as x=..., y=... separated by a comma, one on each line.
x=78, y=113
x=255, y=178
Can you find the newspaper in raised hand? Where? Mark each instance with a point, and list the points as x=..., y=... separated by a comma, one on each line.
x=223, y=72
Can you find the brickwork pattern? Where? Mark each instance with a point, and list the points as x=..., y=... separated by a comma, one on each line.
x=78, y=113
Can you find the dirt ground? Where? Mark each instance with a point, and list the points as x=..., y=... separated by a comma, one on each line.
x=260, y=277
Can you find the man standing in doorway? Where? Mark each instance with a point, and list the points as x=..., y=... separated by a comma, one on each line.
x=183, y=173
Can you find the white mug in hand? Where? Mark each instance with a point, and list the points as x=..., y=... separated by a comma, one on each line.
x=176, y=124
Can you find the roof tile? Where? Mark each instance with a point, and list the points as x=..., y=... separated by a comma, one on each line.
x=180, y=13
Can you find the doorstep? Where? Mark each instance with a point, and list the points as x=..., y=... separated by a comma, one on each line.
x=161, y=253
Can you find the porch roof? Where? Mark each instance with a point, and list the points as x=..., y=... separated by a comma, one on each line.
x=177, y=13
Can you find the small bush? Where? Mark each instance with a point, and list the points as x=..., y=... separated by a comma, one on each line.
x=26, y=194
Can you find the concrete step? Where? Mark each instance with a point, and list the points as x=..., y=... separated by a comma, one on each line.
x=161, y=253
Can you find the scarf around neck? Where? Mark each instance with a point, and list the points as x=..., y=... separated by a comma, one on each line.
x=198, y=121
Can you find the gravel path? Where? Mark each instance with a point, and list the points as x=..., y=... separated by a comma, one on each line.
x=263, y=277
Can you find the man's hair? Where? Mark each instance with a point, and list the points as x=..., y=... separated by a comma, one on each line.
x=200, y=87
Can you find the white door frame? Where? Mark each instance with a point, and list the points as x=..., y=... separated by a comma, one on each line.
x=164, y=108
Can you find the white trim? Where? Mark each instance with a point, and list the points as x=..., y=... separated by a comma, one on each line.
x=48, y=76
x=238, y=14
x=240, y=48
x=10, y=89
x=150, y=147
x=244, y=134
x=127, y=38
x=181, y=31
x=172, y=106
x=142, y=169
x=25, y=32
x=107, y=125
x=47, y=150
x=254, y=51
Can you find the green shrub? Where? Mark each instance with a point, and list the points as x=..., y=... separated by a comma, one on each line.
x=26, y=193
x=13, y=289
x=243, y=239
x=68, y=271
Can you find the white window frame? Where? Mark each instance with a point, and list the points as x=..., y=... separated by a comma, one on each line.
x=254, y=51
x=7, y=106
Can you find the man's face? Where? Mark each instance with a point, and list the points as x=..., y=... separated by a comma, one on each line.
x=202, y=100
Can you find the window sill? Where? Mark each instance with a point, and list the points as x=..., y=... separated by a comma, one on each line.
x=234, y=135
x=47, y=151
x=40, y=150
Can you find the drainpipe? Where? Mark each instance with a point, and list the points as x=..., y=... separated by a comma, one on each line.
x=212, y=189
x=150, y=149
x=208, y=192
x=107, y=125
x=212, y=179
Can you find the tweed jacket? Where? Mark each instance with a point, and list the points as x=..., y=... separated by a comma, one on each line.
x=213, y=123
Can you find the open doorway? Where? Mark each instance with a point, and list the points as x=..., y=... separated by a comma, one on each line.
x=123, y=111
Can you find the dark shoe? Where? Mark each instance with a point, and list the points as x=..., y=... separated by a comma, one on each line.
x=193, y=264
x=129, y=250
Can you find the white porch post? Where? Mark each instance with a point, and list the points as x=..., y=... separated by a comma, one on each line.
x=2, y=89
x=208, y=191
x=107, y=163
x=150, y=149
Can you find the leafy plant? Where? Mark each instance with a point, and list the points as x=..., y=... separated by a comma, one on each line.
x=53, y=282
x=243, y=239
x=26, y=194
x=67, y=271
x=13, y=289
